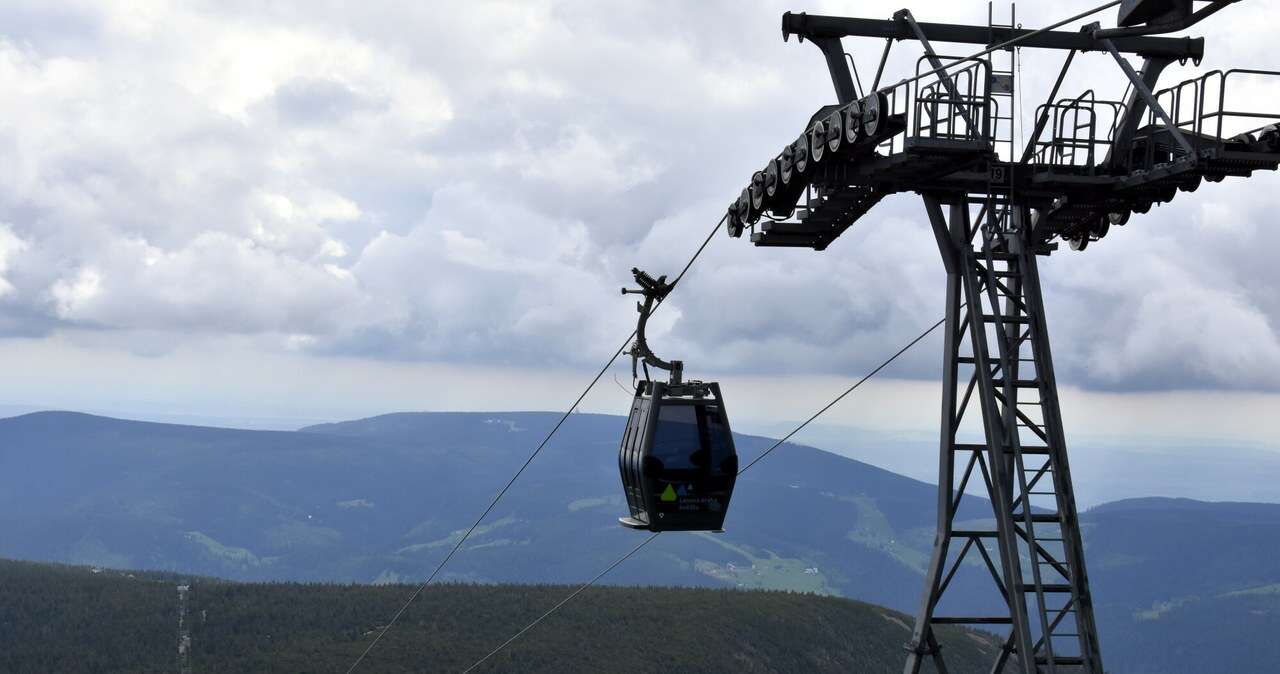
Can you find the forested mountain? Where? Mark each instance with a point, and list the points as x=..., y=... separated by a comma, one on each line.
x=384, y=499
x=1186, y=586
x=73, y=619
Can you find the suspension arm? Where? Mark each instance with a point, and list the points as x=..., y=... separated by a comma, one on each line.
x=654, y=291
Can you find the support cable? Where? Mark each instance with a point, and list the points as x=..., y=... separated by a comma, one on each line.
x=564, y=601
x=846, y=392
x=654, y=535
x=612, y=359
x=502, y=492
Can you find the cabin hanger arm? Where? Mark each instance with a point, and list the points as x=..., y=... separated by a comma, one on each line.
x=654, y=291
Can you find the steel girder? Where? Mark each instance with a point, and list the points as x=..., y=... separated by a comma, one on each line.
x=997, y=359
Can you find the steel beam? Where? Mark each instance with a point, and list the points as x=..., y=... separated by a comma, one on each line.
x=905, y=16
x=1141, y=88
x=838, y=67
x=1043, y=119
x=923, y=642
x=811, y=26
x=1135, y=110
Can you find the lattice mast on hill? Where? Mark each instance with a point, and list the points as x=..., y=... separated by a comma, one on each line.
x=995, y=208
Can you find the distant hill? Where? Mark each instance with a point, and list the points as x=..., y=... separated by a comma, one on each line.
x=383, y=499
x=1186, y=586
x=73, y=619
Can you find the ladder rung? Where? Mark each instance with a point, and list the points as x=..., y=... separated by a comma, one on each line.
x=972, y=533
x=1019, y=383
x=992, y=318
x=1057, y=588
x=1060, y=660
x=1037, y=517
x=1034, y=450
x=965, y=620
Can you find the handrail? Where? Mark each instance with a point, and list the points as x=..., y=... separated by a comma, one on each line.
x=1200, y=94
x=1069, y=117
x=973, y=93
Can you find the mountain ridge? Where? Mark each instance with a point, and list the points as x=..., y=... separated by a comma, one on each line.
x=384, y=499
x=89, y=620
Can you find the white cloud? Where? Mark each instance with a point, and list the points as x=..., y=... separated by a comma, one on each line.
x=501, y=283
x=10, y=246
x=71, y=295
x=376, y=181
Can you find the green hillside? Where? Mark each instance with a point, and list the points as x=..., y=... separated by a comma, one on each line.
x=385, y=498
x=76, y=619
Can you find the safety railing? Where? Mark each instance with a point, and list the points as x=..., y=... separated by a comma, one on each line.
x=898, y=103
x=1073, y=127
x=932, y=111
x=959, y=114
x=1199, y=105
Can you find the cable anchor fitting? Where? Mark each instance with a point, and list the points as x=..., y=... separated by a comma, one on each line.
x=654, y=291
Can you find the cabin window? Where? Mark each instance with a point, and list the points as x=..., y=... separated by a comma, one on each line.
x=691, y=437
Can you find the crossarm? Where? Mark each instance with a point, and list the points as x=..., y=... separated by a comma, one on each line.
x=814, y=26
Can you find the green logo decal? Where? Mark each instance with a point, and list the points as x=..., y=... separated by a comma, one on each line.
x=668, y=495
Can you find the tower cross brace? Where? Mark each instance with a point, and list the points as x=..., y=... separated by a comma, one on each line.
x=997, y=364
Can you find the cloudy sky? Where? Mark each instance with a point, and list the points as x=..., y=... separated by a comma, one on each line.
x=320, y=210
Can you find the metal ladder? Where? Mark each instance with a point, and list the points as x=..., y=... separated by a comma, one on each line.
x=998, y=360
x=1047, y=571
x=1004, y=82
x=1002, y=90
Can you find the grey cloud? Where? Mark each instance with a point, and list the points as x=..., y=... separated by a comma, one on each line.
x=381, y=183
x=321, y=101
x=1182, y=297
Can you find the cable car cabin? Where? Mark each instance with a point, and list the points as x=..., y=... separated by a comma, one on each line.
x=677, y=458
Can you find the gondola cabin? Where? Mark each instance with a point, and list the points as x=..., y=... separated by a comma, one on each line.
x=677, y=458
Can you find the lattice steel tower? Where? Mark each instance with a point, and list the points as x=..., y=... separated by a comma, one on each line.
x=947, y=133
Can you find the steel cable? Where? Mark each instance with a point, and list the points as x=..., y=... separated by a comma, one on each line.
x=762, y=455
x=562, y=602
x=837, y=399
x=840, y=397
x=502, y=492
x=1011, y=42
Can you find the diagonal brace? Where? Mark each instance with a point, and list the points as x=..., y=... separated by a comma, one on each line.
x=1145, y=92
x=905, y=16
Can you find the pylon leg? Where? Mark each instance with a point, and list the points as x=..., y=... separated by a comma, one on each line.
x=997, y=359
